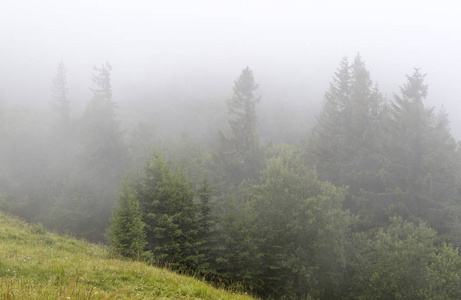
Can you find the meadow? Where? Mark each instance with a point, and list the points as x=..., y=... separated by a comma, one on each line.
x=37, y=264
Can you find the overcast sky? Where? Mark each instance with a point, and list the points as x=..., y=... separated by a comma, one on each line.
x=293, y=47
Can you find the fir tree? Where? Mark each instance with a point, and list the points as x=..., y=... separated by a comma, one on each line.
x=240, y=155
x=126, y=234
x=235, y=257
x=169, y=212
x=328, y=134
x=300, y=231
x=346, y=144
x=90, y=188
x=205, y=240
x=242, y=114
x=105, y=149
x=422, y=158
x=60, y=101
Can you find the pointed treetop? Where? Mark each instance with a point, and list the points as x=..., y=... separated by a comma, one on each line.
x=60, y=101
x=245, y=84
x=360, y=74
x=101, y=81
x=415, y=90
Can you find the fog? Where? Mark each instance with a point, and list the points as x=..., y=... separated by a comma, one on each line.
x=242, y=141
x=197, y=48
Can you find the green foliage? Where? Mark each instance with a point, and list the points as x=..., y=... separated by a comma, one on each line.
x=403, y=261
x=422, y=158
x=205, y=241
x=393, y=264
x=301, y=230
x=161, y=212
x=328, y=135
x=444, y=274
x=126, y=234
x=239, y=156
x=345, y=144
x=396, y=159
x=242, y=113
x=167, y=202
x=235, y=258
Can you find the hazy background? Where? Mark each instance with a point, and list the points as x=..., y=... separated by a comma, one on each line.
x=197, y=48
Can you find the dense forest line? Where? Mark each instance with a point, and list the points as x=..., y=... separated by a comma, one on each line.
x=364, y=204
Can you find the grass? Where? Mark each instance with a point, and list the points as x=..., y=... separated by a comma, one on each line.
x=36, y=264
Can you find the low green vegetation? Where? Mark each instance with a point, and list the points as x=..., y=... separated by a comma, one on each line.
x=36, y=264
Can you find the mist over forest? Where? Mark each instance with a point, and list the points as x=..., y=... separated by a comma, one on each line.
x=305, y=150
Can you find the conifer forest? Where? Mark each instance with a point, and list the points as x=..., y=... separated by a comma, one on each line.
x=251, y=173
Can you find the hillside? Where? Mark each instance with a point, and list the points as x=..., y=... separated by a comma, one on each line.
x=36, y=264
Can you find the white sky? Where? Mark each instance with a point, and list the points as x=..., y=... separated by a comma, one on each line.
x=293, y=47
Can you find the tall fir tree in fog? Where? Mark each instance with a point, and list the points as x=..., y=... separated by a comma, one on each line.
x=104, y=147
x=422, y=158
x=242, y=114
x=345, y=145
x=62, y=134
x=89, y=191
x=60, y=100
x=329, y=133
x=240, y=152
x=363, y=147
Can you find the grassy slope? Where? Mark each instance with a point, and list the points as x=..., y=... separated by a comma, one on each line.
x=35, y=264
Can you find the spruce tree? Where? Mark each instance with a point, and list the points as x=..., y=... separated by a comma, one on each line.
x=422, y=159
x=60, y=100
x=126, y=234
x=363, y=146
x=205, y=239
x=242, y=114
x=240, y=155
x=300, y=231
x=235, y=257
x=105, y=151
x=169, y=212
x=328, y=136
x=90, y=189
x=346, y=144
x=410, y=124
